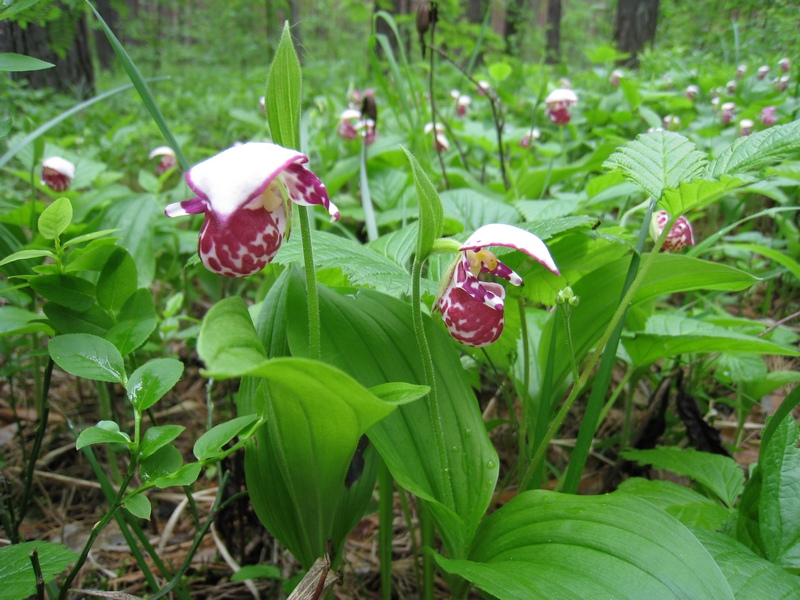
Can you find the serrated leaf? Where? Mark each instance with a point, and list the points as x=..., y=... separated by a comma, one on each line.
x=657, y=161
x=397, y=245
x=138, y=505
x=17, y=579
x=696, y=194
x=284, y=93
x=55, y=219
x=474, y=210
x=547, y=545
x=758, y=150
x=88, y=356
x=719, y=474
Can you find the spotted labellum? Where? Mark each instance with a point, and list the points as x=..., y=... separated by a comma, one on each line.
x=679, y=236
x=57, y=173
x=473, y=309
x=242, y=193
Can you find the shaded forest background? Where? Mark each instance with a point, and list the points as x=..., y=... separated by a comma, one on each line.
x=243, y=32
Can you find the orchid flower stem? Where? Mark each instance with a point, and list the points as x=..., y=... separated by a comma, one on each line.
x=565, y=310
x=524, y=395
x=314, y=335
x=616, y=320
x=427, y=538
x=366, y=198
x=385, y=527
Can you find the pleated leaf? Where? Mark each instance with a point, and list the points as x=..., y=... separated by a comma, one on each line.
x=657, y=161
x=284, y=93
x=758, y=150
x=547, y=545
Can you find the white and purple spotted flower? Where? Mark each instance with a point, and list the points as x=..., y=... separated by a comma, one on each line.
x=679, y=236
x=472, y=309
x=242, y=193
x=57, y=173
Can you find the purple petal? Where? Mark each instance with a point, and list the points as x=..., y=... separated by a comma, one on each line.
x=306, y=189
x=485, y=293
x=498, y=234
x=193, y=206
x=469, y=321
x=504, y=271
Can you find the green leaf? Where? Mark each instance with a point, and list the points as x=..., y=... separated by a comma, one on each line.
x=431, y=213
x=88, y=356
x=749, y=575
x=228, y=343
x=399, y=393
x=136, y=321
x=156, y=437
x=756, y=151
x=547, y=545
x=209, y=445
x=67, y=290
x=106, y=432
x=13, y=63
x=17, y=321
x=284, y=93
x=164, y=462
x=55, y=219
x=88, y=237
x=138, y=505
x=474, y=210
x=657, y=161
x=257, y=572
x=696, y=194
x=148, y=384
x=671, y=335
x=371, y=338
x=17, y=578
x=184, y=476
x=67, y=320
x=136, y=217
x=363, y=266
x=777, y=256
x=718, y=474
x=499, y=71
x=24, y=255
x=117, y=281
x=688, y=506
x=779, y=507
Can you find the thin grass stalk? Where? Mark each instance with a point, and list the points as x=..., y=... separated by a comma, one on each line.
x=366, y=197
x=385, y=527
x=602, y=380
x=312, y=297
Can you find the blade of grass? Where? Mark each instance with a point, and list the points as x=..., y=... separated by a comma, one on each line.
x=140, y=83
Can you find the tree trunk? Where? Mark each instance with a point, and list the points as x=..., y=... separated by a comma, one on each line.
x=635, y=27
x=516, y=14
x=103, y=49
x=553, y=47
x=476, y=10
x=73, y=71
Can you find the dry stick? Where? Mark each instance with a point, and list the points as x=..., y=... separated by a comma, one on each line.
x=494, y=102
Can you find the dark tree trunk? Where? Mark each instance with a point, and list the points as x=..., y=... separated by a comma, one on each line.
x=553, y=36
x=103, y=49
x=74, y=72
x=515, y=17
x=476, y=10
x=395, y=8
x=635, y=27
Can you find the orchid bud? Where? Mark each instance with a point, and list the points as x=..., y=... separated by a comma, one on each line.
x=57, y=173
x=781, y=83
x=768, y=116
x=731, y=87
x=727, y=112
x=679, y=236
x=745, y=127
x=763, y=71
x=740, y=71
x=691, y=92
x=616, y=76
x=784, y=65
x=671, y=122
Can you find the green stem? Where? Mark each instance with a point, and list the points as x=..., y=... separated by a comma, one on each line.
x=366, y=198
x=386, y=527
x=314, y=335
x=524, y=395
x=618, y=316
x=426, y=532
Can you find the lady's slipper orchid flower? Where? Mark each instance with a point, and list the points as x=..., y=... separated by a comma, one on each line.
x=167, y=161
x=763, y=71
x=784, y=64
x=529, y=138
x=728, y=109
x=616, y=76
x=440, y=141
x=781, y=83
x=731, y=86
x=679, y=236
x=746, y=127
x=741, y=70
x=347, y=123
x=768, y=116
x=558, y=103
x=483, y=87
x=691, y=91
x=241, y=192
x=462, y=104
x=472, y=309
x=671, y=122
x=57, y=173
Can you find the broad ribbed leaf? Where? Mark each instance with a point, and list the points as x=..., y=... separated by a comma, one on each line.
x=398, y=245
x=688, y=506
x=362, y=265
x=749, y=575
x=17, y=579
x=779, y=508
x=696, y=194
x=547, y=545
x=600, y=290
x=228, y=343
x=719, y=474
x=431, y=213
x=657, y=161
x=284, y=93
x=209, y=445
x=371, y=338
x=758, y=150
x=671, y=335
